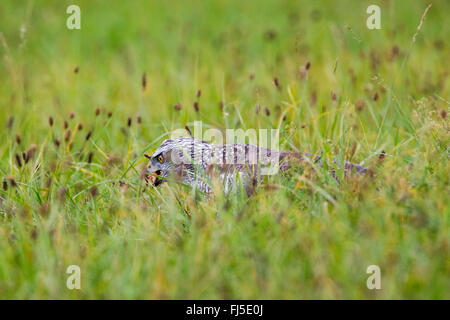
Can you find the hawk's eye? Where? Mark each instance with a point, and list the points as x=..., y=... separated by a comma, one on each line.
x=160, y=158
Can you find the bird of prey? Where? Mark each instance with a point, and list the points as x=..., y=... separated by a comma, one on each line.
x=195, y=163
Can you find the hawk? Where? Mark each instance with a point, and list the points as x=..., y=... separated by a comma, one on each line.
x=195, y=163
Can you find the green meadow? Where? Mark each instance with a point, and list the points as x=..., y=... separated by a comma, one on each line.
x=80, y=108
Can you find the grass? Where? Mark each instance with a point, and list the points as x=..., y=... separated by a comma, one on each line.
x=83, y=202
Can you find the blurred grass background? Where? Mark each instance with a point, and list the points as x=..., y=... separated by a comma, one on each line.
x=83, y=201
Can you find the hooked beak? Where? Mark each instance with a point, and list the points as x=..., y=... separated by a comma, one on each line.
x=154, y=178
x=152, y=175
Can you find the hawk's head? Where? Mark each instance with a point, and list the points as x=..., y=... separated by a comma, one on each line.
x=174, y=156
x=160, y=163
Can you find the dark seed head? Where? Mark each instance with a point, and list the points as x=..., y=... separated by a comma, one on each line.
x=375, y=96
x=71, y=115
x=196, y=106
x=188, y=130
x=267, y=111
x=129, y=122
x=333, y=96
x=57, y=143
x=31, y=151
x=18, y=160
x=313, y=98
x=359, y=104
x=97, y=111
x=76, y=69
x=66, y=125
x=5, y=185
x=80, y=126
x=308, y=65
x=221, y=105
x=12, y=181
x=199, y=93
x=88, y=135
x=67, y=135
x=109, y=114
x=10, y=122
x=276, y=82
x=395, y=50
x=177, y=106
x=139, y=119
x=90, y=157
x=18, y=139
x=50, y=121
x=443, y=114
x=144, y=81
x=382, y=156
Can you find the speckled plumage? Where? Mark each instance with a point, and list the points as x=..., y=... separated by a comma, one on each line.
x=195, y=163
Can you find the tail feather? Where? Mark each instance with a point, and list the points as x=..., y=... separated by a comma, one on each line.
x=289, y=158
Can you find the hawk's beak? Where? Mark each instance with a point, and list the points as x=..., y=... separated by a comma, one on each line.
x=152, y=177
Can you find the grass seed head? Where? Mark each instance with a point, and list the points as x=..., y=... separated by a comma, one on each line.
x=333, y=96
x=375, y=96
x=277, y=83
x=177, y=106
x=18, y=160
x=50, y=121
x=90, y=157
x=144, y=81
x=18, y=139
x=129, y=122
x=67, y=135
x=188, y=130
x=30, y=152
x=359, y=104
x=196, y=106
x=12, y=181
x=10, y=122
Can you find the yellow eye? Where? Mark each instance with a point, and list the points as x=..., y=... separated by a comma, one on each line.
x=160, y=158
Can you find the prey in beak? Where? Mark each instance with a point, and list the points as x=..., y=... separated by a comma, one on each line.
x=153, y=176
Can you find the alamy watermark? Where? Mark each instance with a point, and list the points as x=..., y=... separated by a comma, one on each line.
x=374, y=280
x=74, y=280
x=374, y=20
x=253, y=147
x=74, y=20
